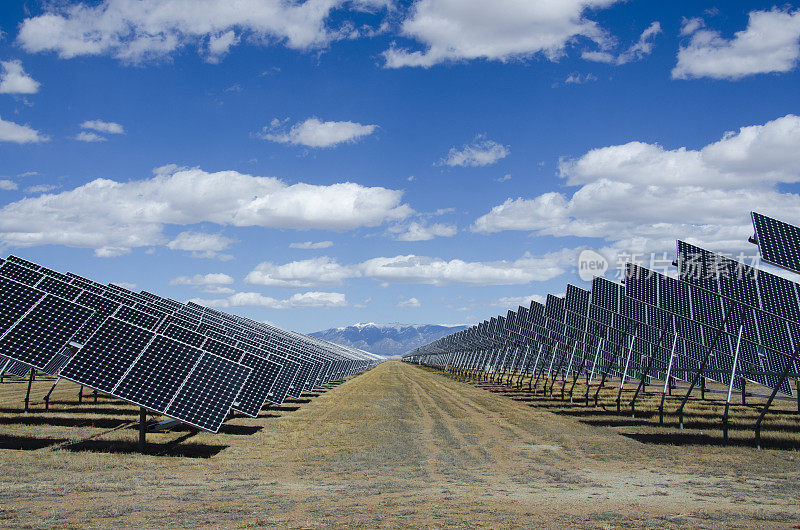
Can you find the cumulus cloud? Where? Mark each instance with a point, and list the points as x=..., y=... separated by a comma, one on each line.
x=213, y=283
x=768, y=44
x=8, y=185
x=412, y=269
x=316, y=133
x=41, y=188
x=502, y=30
x=89, y=137
x=14, y=80
x=637, y=51
x=702, y=195
x=202, y=245
x=19, y=134
x=422, y=232
x=409, y=302
x=152, y=29
x=135, y=213
x=304, y=273
x=108, y=127
x=125, y=285
x=212, y=278
x=310, y=245
x=300, y=300
x=481, y=152
x=513, y=302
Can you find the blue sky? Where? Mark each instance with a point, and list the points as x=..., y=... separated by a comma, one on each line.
x=446, y=159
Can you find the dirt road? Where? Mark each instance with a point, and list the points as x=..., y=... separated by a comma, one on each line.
x=396, y=446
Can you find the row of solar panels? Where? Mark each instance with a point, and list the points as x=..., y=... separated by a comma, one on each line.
x=185, y=361
x=720, y=317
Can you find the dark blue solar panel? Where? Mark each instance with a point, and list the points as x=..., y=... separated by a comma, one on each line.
x=20, y=273
x=43, y=331
x=778, y=242
x=57, y=287
x=778, y=296
x=138, y=318
x=207, y=395
x=15, y=300
x=107, y=355
x=154, y=378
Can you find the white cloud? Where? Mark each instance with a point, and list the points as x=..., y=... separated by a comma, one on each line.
x=41, y=188
x=768, y=44
x=577, y=79
x=310, y=245
x=436, y=271
x=111, y=252
x=152, y=29
x=316, y=133
x=513, y=302
x=202, y=245
x=504, y=178
x=502, y=30
x=409, y=302
x=89, y=137
x=14, y=80
x=481, y=152
x=8, y=185
x=20, y=134
x=701, y=195
x=421, y=232
x=126, y=285
x=412, y=269
x=212, y=278
x=108, y=127
x=304, y=273
x=134, y=213
x=300, y=300
x=637, y=51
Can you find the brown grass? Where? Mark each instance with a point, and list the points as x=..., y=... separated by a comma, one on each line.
x=397, y=446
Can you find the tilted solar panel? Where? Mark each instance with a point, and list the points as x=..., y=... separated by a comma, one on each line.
x=778, y=242
x=159, y=373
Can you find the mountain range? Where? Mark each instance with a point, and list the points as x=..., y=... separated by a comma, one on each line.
x=386, y=339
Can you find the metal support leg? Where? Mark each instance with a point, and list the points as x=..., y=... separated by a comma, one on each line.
x=730, y=386
x=142, y=429
x=667, y=386
x=80, y=395
x=784, y=374
x=744, y=391
x=28, y=393
x=47, y=396
x=703, y=364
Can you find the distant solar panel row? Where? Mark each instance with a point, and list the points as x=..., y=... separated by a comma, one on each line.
x=719, y=320
x=185, y=361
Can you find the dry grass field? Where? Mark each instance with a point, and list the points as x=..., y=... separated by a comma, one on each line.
x=397, y=446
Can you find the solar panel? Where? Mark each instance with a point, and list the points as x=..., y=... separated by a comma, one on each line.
x=158, y=373
x=207, y=394
x=778, y=242
x=20, y=273
x=43, y=330
x=51, y=285
x=15, y=300
x=24, y=262
x=105, y=358
x=258, y=385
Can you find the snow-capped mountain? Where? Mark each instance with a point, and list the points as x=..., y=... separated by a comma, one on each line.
x=386, y=339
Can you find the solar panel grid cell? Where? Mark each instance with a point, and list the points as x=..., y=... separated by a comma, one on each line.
x=43, y=331
x=20, y=273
